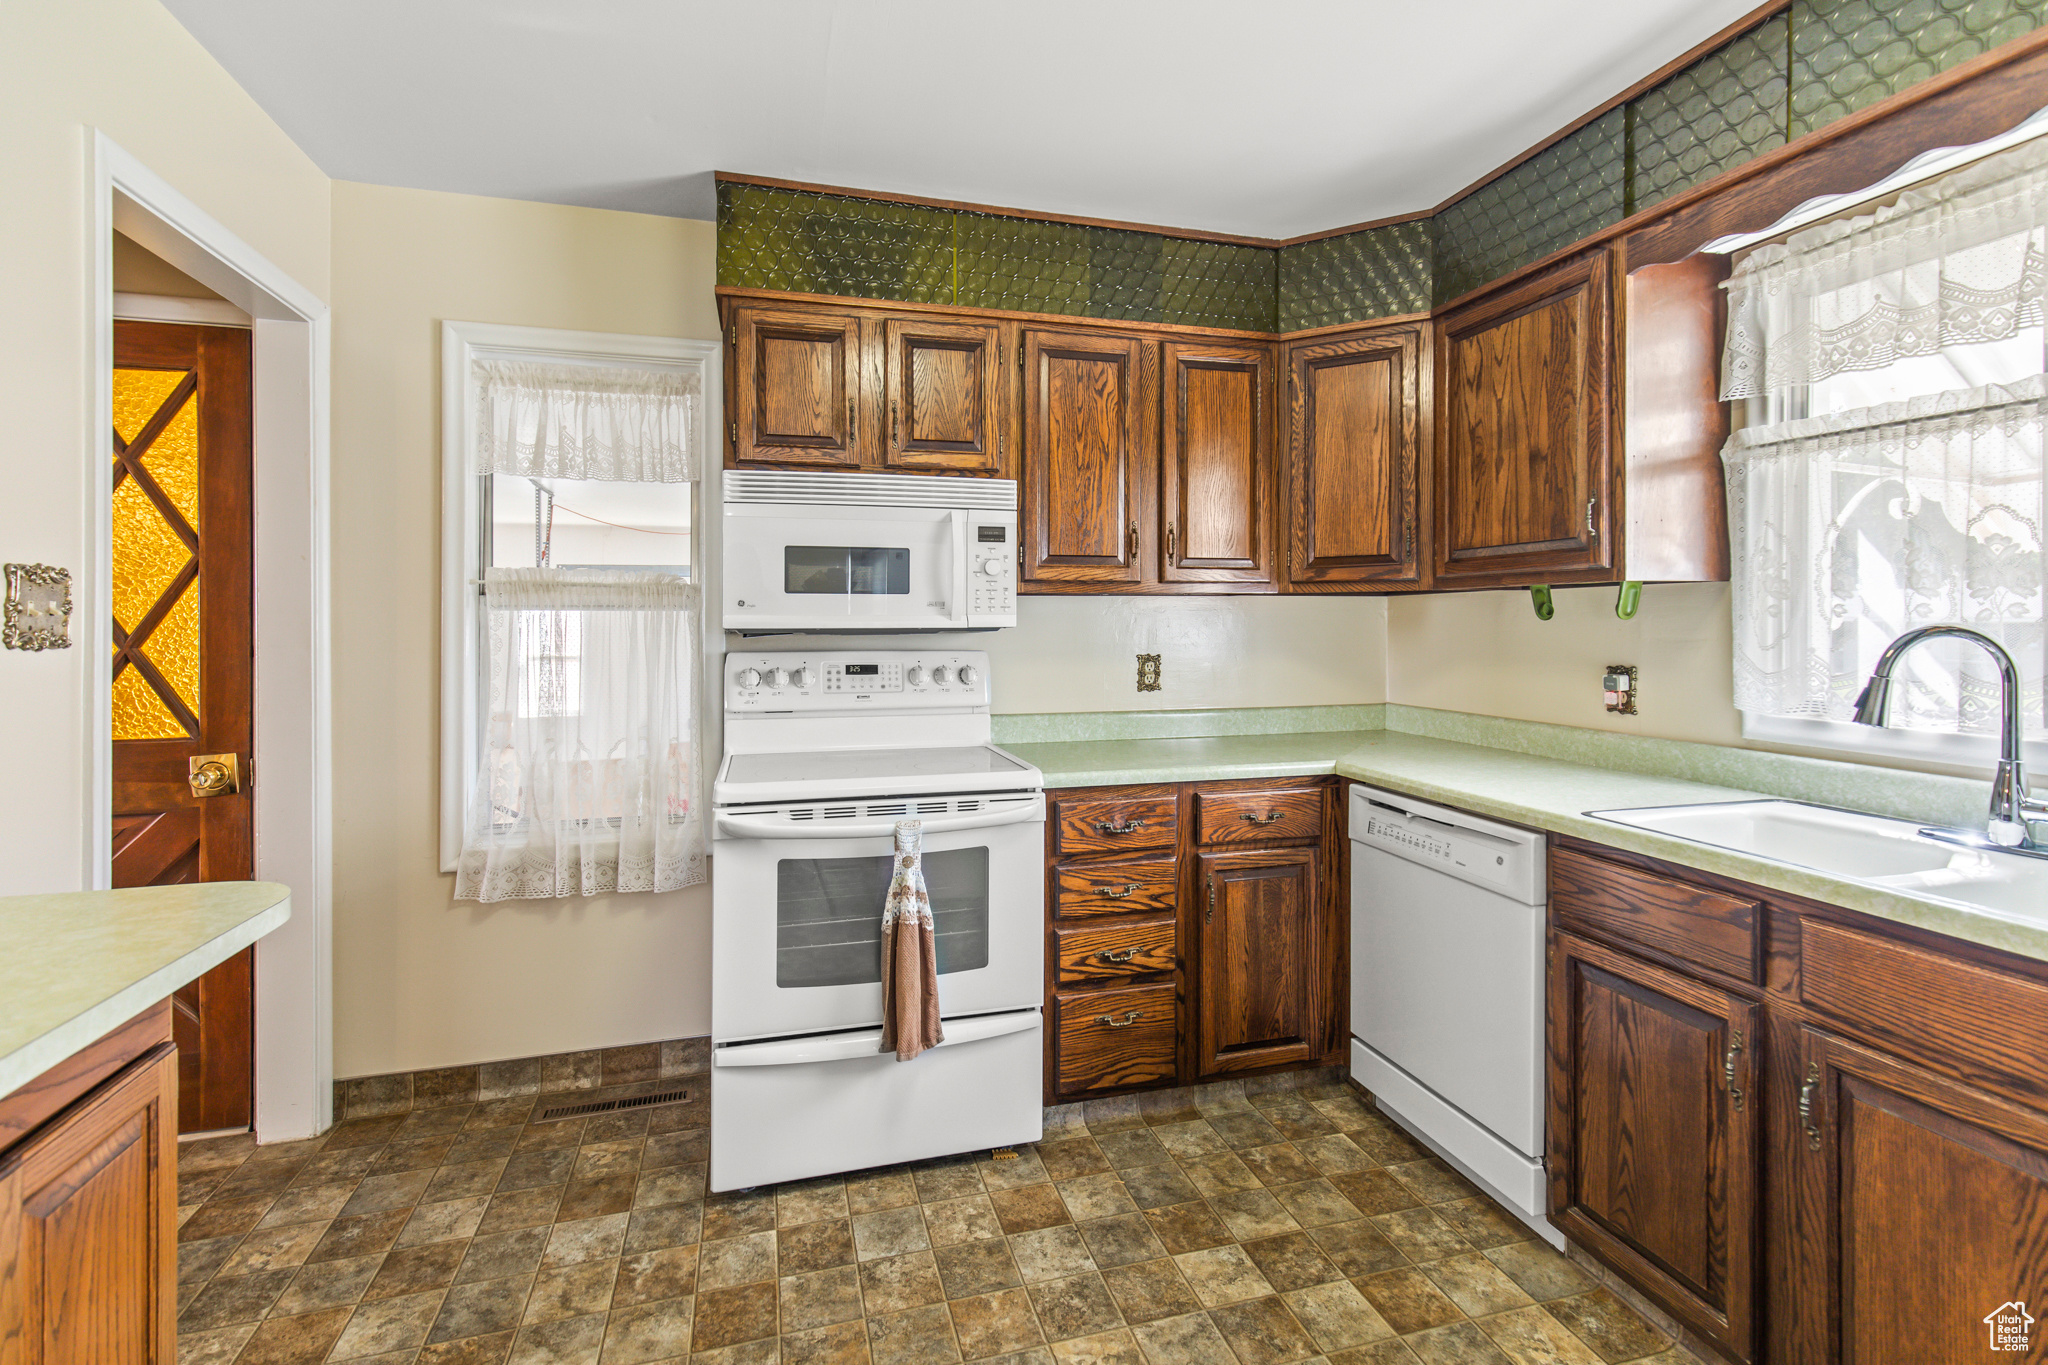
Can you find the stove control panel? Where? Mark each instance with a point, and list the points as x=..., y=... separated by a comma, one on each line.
x=875, y=680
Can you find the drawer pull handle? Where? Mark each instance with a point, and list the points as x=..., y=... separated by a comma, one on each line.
x=1117, y=893
x=1807, y=1088
x=1728, y=1069
x=1270, y=817
x=1111, y=1021
x=1119, y=826
x=1123, y=955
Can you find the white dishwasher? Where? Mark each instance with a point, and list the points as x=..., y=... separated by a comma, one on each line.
x=1447, y=987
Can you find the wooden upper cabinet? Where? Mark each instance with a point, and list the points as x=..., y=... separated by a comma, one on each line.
x=1215, y=477
x=1653, y=1133
x=1524, y=421
x=1922, y=1207
x=1354, y=495
x=1087, y=466
x=943, y=382
x=797, y=387
x=1262, y=982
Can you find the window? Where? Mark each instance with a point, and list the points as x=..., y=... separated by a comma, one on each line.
x=573, y=645
x=1891, y=475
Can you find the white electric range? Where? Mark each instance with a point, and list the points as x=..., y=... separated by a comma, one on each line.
x=824, y=753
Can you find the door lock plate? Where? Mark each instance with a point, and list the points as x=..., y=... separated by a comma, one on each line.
x=214, y=774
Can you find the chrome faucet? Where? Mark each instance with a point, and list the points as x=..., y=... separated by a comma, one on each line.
x=2012, y=808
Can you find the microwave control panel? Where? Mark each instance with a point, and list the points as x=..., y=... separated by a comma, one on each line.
x=991, y=569
x=879, y=680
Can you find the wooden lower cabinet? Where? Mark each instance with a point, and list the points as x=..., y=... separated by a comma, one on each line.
x=1191, y=933
x=88, y=1219
x=1260, y=988
x=1653, y=1135
x=1831, y=1152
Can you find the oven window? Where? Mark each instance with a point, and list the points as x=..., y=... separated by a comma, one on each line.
x=845, y=570
x=828, y=916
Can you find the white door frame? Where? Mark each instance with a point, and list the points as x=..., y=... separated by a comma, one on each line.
x=291, y=760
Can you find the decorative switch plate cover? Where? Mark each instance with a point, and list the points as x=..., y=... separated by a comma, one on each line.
x=38, y=607
x=1148, y=672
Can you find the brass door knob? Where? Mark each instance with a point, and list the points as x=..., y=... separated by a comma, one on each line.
x=214, y=774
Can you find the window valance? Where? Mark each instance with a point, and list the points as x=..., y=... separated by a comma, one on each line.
x=566, y=421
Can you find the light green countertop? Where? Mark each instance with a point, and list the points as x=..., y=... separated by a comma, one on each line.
x=1506, y=781
x=74, y=965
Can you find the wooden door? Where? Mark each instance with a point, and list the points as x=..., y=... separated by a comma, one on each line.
x=1216, y=468
x=1260, y=974
x=183, y=639
x=797, y=388
x=1653, y=1132
x=944, y=386
x=88, y=1228
x=1087, y=465
x=1524, y=420
x=1923, y=1211
x=1353, y=468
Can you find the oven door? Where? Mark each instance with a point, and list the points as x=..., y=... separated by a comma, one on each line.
x=806, y=567
x=797, y=913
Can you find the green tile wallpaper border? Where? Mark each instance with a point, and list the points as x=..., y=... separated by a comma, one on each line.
x=1800, y=70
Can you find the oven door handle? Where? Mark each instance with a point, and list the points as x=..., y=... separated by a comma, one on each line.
x=748, y=827
x=847, y=1047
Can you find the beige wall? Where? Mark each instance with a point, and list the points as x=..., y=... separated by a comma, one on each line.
x=421, y=981
x=1486, y=653
x=138, y=270
x=126, y=68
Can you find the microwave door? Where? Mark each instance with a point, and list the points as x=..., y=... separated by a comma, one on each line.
x=825, y=568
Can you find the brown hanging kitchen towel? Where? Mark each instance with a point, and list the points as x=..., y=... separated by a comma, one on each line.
x=910, y=953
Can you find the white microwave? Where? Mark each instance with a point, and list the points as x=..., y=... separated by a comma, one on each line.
x=855, y=553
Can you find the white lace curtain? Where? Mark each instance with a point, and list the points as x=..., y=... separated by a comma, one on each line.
x=1913, y=493
x=590, y=753
x=564, y=421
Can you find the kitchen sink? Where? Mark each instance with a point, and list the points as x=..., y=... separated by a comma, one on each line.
x=1898, y=855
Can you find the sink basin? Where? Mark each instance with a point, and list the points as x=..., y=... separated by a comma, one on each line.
x=1873, y=849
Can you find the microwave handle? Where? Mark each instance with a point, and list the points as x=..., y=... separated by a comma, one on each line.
x=956, y=518
x=746, y=827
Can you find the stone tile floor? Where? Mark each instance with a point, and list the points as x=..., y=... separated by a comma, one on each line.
x=1200, y=1226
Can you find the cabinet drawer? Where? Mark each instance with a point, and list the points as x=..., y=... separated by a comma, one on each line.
x=1107, y=954
x=1248, y=817
x=1116, y=888
x=1705, y=928
x=1112, y=1039
x=1108, y=824
x=1982, y=1025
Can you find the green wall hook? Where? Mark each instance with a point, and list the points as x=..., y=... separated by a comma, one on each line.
x=1628, y=599
x=1539, y=595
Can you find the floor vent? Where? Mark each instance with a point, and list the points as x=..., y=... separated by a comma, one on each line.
x=577, y=1111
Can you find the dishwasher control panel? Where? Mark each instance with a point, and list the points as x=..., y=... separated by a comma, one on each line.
x=1484, y=852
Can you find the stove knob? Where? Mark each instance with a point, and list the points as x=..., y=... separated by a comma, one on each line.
x=778, y=677
x=939, y=676
x=800, y=678
x=749, y=678
x=969, y=675
x=914, y=675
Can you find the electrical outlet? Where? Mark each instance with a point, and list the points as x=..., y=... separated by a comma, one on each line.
x=1148, y=672
x=1618, y=688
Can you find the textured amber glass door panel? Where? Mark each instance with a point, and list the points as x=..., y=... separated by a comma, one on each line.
x=155, y=548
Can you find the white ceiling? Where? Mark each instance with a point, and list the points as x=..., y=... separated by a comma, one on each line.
x=1271, y=118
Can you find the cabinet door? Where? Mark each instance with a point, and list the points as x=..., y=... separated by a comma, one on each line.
x=796, y=387
x=1354, y=497
x=943, y=382
x=1216, y=472
x=1653, y=1133
x=88, y=1220
x=1524, y=419
x=1087, y=467
x=1262, y=986
x=1923, y=1208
